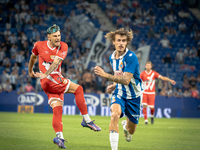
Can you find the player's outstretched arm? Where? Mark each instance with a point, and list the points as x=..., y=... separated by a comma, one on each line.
x=32, y=61
x=53, y=66
x=125, y=79
x=167, y=79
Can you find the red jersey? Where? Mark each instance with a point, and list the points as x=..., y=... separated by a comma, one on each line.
x=47, y=55
x=149, y=81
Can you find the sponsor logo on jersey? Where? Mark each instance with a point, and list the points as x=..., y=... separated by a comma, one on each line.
x=30, y=98
x=52, y=57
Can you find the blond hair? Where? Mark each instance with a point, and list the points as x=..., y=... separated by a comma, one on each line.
x=149, y=62
x=110, y=36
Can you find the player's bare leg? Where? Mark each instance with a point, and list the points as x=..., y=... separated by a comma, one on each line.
x=145, y=114
x=152, y=114
x=114, y=127
x=77, y=90
x=57, y=122
x=129, y=129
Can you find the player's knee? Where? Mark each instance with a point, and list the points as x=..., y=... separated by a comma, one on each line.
x=144, y=105
x=115, y=117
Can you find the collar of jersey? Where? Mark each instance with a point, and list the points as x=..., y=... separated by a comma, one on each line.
x=120, y=57
x=49, y=46
x=147, y=72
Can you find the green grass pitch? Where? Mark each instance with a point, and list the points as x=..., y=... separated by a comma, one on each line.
x=35, y=132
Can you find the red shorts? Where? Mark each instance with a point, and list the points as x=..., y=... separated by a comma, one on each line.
x=148, y=99
x=55, y=86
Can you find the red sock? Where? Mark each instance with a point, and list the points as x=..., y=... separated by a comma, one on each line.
x=80, y=100
x=57, y=119
x=152, y=111
x=145, y=113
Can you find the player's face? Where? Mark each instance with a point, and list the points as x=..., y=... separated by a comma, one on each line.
x=120, y=42
x=55, y=38
x=148, y=67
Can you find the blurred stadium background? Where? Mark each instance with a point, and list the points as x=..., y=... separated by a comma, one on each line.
x=166, y=32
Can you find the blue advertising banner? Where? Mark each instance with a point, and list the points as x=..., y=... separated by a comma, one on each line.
x=98, y=104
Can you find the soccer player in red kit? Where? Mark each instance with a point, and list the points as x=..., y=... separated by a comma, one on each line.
x=51, y=53
x=148, y=77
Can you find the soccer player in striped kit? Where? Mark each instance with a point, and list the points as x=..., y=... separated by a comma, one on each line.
x=148, y=77
x=126, y=87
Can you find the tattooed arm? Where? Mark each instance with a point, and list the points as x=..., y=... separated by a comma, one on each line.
x=125, y=79
x=53, y=66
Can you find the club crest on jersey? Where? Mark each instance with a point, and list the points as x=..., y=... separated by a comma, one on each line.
x=65, y=81
x=121, y=65
x=113, y=99
x=52, y=57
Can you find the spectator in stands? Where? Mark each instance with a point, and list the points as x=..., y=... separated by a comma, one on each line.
x=168, y=19
x=104, y=27
x=165, y=42
x=127, y=20
x=88, y=43
x=185, y=85
x=172, y=31
x=1, y=88
x=25, y=50
x=198, y=77
x=151, y=13
x=7, y=33
x=4, y=77
x=26, y=67
x=182, y=27
x=195, y=93
x=93, y=14
x=19, y=58
x=169, y=92
x=163, y=91
x=22, y=17
x=29, y=88
x=12, y=39
x=7, y=64
x=24, y=78
x=165, y=30
x=7, y=86
x=20, y=90
x=34, y=34
x=17, y=20
x=142, y=44
x=178, y=93
x=160, y=5
x=41, y=23
x=66, y=25
x=167, y=59
x=28, y=17
x=168, y=5
x=15, y=67
x=60, y=12
x=194, y=28
x=180, y=57
x=13, y=79
x=185, y=77
x=151, y=33
x=2, y=56
x=24, y=6
x=192, y=52
x=23, y=38
x=186, y=93
x=172, y=16
x=186, y=51
x=43, y=7
x=88, y=79
x=181, y=14
x=193, y=82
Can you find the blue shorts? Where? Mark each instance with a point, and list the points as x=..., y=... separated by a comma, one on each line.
x=129, y=107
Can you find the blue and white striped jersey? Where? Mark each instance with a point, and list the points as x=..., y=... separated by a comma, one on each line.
x=128, y=62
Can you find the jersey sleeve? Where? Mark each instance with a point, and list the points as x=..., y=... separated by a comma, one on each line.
x=62, y=53
x=156, y=74
x=35, y=49
x=131, y=63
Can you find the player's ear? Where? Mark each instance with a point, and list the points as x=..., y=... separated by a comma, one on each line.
x=48, y=37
